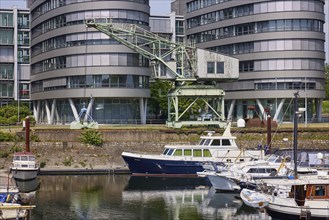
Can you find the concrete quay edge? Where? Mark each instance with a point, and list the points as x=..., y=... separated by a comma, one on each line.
x=83, y=171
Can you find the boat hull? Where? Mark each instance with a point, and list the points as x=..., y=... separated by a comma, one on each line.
x=281, y=211
x=222, y=184
x=155, y=167
x=24, y=174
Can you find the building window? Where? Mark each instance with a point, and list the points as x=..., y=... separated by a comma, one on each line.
x=220, y=67
x=24, y=90
x=210, y=67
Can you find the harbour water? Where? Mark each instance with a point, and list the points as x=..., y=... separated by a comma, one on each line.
x=127, y=197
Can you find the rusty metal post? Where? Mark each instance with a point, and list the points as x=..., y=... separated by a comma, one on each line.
x=269, y=134
x=27, y=134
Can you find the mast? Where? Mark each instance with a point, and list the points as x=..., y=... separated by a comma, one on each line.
x=27, y=134
x=296, y=94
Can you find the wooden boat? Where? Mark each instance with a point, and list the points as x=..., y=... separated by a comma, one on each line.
x=24, y=166
x=306, y=197
x=14, y=211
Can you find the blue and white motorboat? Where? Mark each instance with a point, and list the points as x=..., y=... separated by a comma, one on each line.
x=187, y=160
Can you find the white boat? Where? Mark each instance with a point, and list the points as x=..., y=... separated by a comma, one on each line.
x=24, y=166
x=188, y=159
x=14, y=211
x=243, y=174
x=254, y=199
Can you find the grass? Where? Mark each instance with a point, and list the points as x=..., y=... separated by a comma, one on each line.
x=289, y=125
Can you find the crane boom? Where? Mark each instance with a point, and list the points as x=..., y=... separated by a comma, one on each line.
x=169, y=60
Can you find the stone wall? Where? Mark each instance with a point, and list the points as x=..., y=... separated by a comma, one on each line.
x=62, y=147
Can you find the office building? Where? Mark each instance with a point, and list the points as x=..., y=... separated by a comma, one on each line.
x=77, y=70
x=280, y=45
x=14, y=56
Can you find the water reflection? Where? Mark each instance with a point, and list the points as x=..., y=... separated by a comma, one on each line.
x=125, y=197
x=26, y=186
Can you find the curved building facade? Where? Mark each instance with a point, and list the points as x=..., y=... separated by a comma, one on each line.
x=77, y=70
x=280, y=45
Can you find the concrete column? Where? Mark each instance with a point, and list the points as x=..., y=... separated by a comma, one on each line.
x=319, y=109
x=142, y=110
x=35, y=111
x=89, y=108
x=278, y=110
x=239, y=109
x=230, y=111
x=261, y=108
x=47, y=112
x=74, y=110
x=57, y=116
x=52, y=113
x=42, y=112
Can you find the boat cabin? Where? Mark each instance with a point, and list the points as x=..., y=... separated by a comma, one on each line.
x=206, y=146
x=310, y=192
x=187, y=152
x=317, y=191
x=24, y=160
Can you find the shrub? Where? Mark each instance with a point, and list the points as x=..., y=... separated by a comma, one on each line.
x=15, y=148
x=92, y=137
x=42, y=164
x=4, y=154
x=6, y=137
x=35, y=137
x=68, y=161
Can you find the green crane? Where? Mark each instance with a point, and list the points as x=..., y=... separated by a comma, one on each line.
x=194, y=71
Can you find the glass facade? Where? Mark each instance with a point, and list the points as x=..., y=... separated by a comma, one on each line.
x=271, y=45
x=286, y=25
x=104, y=111
x=63, y=75
x=12, y=73
x=251, y=9
x=280, y=45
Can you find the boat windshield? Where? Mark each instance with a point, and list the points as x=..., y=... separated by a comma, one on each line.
x=168, y=151
x=205, y=142
x=272, y=158
x=202, y=141
x=31, y=158
x=25, y=158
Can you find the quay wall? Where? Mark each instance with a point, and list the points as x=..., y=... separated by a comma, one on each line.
x=62, y=148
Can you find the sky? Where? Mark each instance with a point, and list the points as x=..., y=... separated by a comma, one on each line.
x=158, y=7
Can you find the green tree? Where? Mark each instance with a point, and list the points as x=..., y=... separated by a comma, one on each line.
x=326, y=75
x=158, y=102
x=9, y=113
